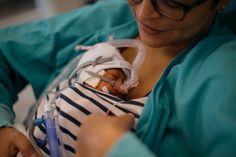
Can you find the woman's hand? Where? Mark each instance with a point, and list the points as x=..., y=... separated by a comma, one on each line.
x=99, y=132
x=12, y=141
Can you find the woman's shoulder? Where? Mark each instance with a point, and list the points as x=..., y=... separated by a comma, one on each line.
x=213, y=59
x=215, y=53
x=218, y=53
x=210, y=62
x=221, y=61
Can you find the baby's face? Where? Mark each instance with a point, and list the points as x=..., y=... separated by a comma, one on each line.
x=113, y=74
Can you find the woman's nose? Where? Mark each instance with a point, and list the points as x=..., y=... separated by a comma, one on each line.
x=146, y=11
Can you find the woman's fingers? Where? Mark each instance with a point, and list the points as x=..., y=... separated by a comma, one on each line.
x=12, y=141
x=99, y=132
x=127, y=120
x=13, y=150
x=24, y=145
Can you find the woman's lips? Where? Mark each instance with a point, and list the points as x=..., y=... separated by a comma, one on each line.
x=149, y=30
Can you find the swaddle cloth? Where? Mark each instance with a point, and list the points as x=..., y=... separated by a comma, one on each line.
x=74, y=104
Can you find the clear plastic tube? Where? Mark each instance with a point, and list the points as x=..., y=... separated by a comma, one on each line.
x=138, y=61
x=66, y=72
x=59, y=135
x=51, y=131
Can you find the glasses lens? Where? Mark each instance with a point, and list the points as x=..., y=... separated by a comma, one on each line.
x=169, y=8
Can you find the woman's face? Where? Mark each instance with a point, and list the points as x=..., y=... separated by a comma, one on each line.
x=157, y=30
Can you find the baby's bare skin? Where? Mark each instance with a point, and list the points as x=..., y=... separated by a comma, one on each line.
x=114, y=74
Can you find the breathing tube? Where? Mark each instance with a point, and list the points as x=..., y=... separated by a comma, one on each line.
x=53, y=133
x=138, y=61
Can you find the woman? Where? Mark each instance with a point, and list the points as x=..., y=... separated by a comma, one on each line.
x=188, y=69
x=186, y=114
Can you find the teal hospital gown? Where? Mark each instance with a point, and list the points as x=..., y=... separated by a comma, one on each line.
x=191, y=110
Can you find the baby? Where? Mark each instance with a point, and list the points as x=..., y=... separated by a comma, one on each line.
x=107, y=72
x=102, y=77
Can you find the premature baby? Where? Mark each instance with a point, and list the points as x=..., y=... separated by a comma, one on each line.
x=102, y=78
x=103, y=68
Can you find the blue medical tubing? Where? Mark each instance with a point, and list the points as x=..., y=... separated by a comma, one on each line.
x=52, y=135
x=38, y=122
x=51, y=132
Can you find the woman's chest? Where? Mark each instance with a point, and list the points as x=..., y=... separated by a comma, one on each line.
x=149, y=73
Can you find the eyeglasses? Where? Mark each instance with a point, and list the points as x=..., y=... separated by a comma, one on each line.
x=170, y=8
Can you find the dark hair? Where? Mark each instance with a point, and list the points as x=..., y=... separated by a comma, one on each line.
x=215, y=2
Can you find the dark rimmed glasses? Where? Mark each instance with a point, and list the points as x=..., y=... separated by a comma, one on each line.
x=173, y=9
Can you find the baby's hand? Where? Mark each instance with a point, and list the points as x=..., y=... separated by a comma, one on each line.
x=12, y=141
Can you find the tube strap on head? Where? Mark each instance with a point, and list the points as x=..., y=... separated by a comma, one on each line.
x=111, y=82
x=98, y=60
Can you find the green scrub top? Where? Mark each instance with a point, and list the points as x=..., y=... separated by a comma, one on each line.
x=191, y=110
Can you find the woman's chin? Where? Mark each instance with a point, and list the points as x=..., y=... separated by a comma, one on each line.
x=153, y=41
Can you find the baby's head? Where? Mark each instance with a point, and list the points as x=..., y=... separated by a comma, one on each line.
x=103, y=68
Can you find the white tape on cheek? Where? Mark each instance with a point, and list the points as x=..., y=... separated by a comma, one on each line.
x=105, y=90
x=94, y=81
